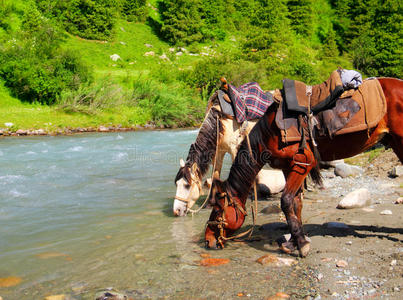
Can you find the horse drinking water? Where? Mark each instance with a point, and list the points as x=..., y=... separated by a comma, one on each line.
x=228, y=198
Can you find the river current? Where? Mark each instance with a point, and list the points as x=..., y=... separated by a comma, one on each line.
x=86, y=212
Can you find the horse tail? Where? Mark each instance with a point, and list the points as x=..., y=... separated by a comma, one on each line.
x=316, y=176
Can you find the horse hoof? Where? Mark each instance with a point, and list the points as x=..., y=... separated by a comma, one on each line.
x=287, y=247
x=304, y=250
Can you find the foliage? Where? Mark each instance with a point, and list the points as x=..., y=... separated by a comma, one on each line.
x=134, y=10
x=92, y=19
x=300, y=14
x=34, y=67
x=181, y=21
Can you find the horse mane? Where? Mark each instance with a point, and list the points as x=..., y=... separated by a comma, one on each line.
x=245, y=168
x=202, y=151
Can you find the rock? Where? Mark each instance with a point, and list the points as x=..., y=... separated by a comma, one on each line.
x=271, y=209
x=110, y=294
x=319, y=277
x=180, y=53
x=9, y=124
x=344, y=170
x=393, y=262
x=341, y=264
x=368, y=209
x=150, y=53
x=349, y=243
x=396, y=171
x=1, y=133
x=164, y=57
x=210, y=262
x=331, y=163
x=103, y=129
x=148, y=45
x=9, y=281
x=122, y=43
x=56, y=297
x=21, y=132
x=386, y=212
x=276, y=261
x=357, y=198
x=273, y=179
x=399, y=200
x=171, y=49
x=274, y=226
x=336, y=225
x=114, y=57
x=278, y=296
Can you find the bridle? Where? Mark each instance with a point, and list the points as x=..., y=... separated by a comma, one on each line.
x=188, y=199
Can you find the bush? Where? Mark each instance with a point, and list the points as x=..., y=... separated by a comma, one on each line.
x=134, y=10
x=181, y=21
x=34, y=67
x=89, y=19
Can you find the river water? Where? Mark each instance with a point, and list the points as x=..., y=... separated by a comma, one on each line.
x=80, y=214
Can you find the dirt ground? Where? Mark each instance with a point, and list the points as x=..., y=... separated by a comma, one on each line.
x=360, y=256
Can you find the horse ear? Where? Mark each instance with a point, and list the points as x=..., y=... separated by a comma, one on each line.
x=216, y=175
x=181, y=163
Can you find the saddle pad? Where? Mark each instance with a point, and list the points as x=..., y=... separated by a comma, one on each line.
x=250, y=101
x=366, y=107
x=371, y=99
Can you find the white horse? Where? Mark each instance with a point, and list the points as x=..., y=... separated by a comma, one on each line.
x=202, y=154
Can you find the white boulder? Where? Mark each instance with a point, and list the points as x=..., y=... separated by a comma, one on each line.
x=357, y=198
x=273, y=179
x=114, y=57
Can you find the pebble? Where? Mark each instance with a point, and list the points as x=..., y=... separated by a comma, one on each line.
x=395, y=289
x=9, y=281
x=110, y=294
x=279, y=296
x=396, y=171
x=393, y=262
x=341, y=264
x=209, y=262
x=354, y=199
x=399, y=200
x=349, y=243
x=386, y=212
x=56, y=297
x=319, y=276
x=276, y=261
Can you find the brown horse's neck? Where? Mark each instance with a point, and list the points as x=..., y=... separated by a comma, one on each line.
x=244, y=168
x=203, y=150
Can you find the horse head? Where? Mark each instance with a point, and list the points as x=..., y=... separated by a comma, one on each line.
x=228, y=214
x=188, y=188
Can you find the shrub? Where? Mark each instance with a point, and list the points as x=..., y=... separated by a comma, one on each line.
x=134, y=10
x=86, y=18
x=34, y=67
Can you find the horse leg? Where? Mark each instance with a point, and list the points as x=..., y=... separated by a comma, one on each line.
x=291, y=205
x=396, y=142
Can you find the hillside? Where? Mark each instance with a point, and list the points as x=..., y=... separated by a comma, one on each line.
x=56, y=69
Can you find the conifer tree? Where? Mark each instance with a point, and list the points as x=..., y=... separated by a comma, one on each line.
x=300, y=14
x=181, y=21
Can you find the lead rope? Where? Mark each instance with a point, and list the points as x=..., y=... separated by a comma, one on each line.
x=212, y=173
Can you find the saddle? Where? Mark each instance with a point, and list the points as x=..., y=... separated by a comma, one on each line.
x=354, y=110
x=302, y=98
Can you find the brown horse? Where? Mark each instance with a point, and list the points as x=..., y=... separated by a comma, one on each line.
x=228, y=198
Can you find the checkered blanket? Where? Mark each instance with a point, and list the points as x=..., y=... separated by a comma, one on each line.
x=250, y=101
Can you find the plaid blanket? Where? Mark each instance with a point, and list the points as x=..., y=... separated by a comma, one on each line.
x=250, y=101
